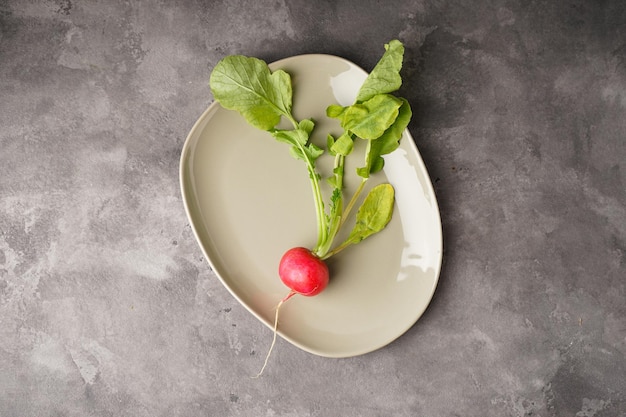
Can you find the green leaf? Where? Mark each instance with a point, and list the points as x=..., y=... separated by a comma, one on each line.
x=313, y=151
x=374, y=214
x=248, y=86
x=293, y=137
x=330, y=141
x=376, y=165
x=390, y=140
x=332, y=181
x=363, y=171
x=336, y=199
x=343, y=145
x=307, y=125
x=335, y=111
x=385, y=77
x=370, y=119
x=300, y=148
x=387, y=143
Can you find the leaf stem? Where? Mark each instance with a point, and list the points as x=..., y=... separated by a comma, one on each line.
x=292, y=119
x=318, y=199
x=355, y=197
x=317, y=195
x=319, y=206
x=353, y=200
x=336, y=250
x=335, y=216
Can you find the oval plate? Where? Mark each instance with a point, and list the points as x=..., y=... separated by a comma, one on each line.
x=248, y=201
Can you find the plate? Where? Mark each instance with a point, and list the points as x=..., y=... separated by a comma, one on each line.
x=248, y=201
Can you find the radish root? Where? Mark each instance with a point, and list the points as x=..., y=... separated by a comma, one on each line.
x=287, y=297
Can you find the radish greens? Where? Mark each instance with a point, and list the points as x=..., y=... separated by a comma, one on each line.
x=264, y=98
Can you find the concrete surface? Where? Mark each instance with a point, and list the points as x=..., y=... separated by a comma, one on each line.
x=107, y=307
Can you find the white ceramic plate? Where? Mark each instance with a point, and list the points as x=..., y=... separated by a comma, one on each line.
x=248, y=201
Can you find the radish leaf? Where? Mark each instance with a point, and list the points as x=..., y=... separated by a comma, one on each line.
x=343, y=145
x=372, y=217
x=374, y=213
x=370, y=119
x=385, y=77
x=387, y=143
x=264, y=98
x=247, y=85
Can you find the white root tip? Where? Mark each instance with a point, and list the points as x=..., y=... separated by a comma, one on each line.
x=287, y=297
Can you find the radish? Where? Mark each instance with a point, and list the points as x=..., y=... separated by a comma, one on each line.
x=303, y=273
x=264, y=98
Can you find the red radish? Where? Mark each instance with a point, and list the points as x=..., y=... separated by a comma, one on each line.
x=304, y=273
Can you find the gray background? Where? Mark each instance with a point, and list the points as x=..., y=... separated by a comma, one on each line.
x=107, y=307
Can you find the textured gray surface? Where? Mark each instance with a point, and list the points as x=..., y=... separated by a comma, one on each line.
x=107, y=307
